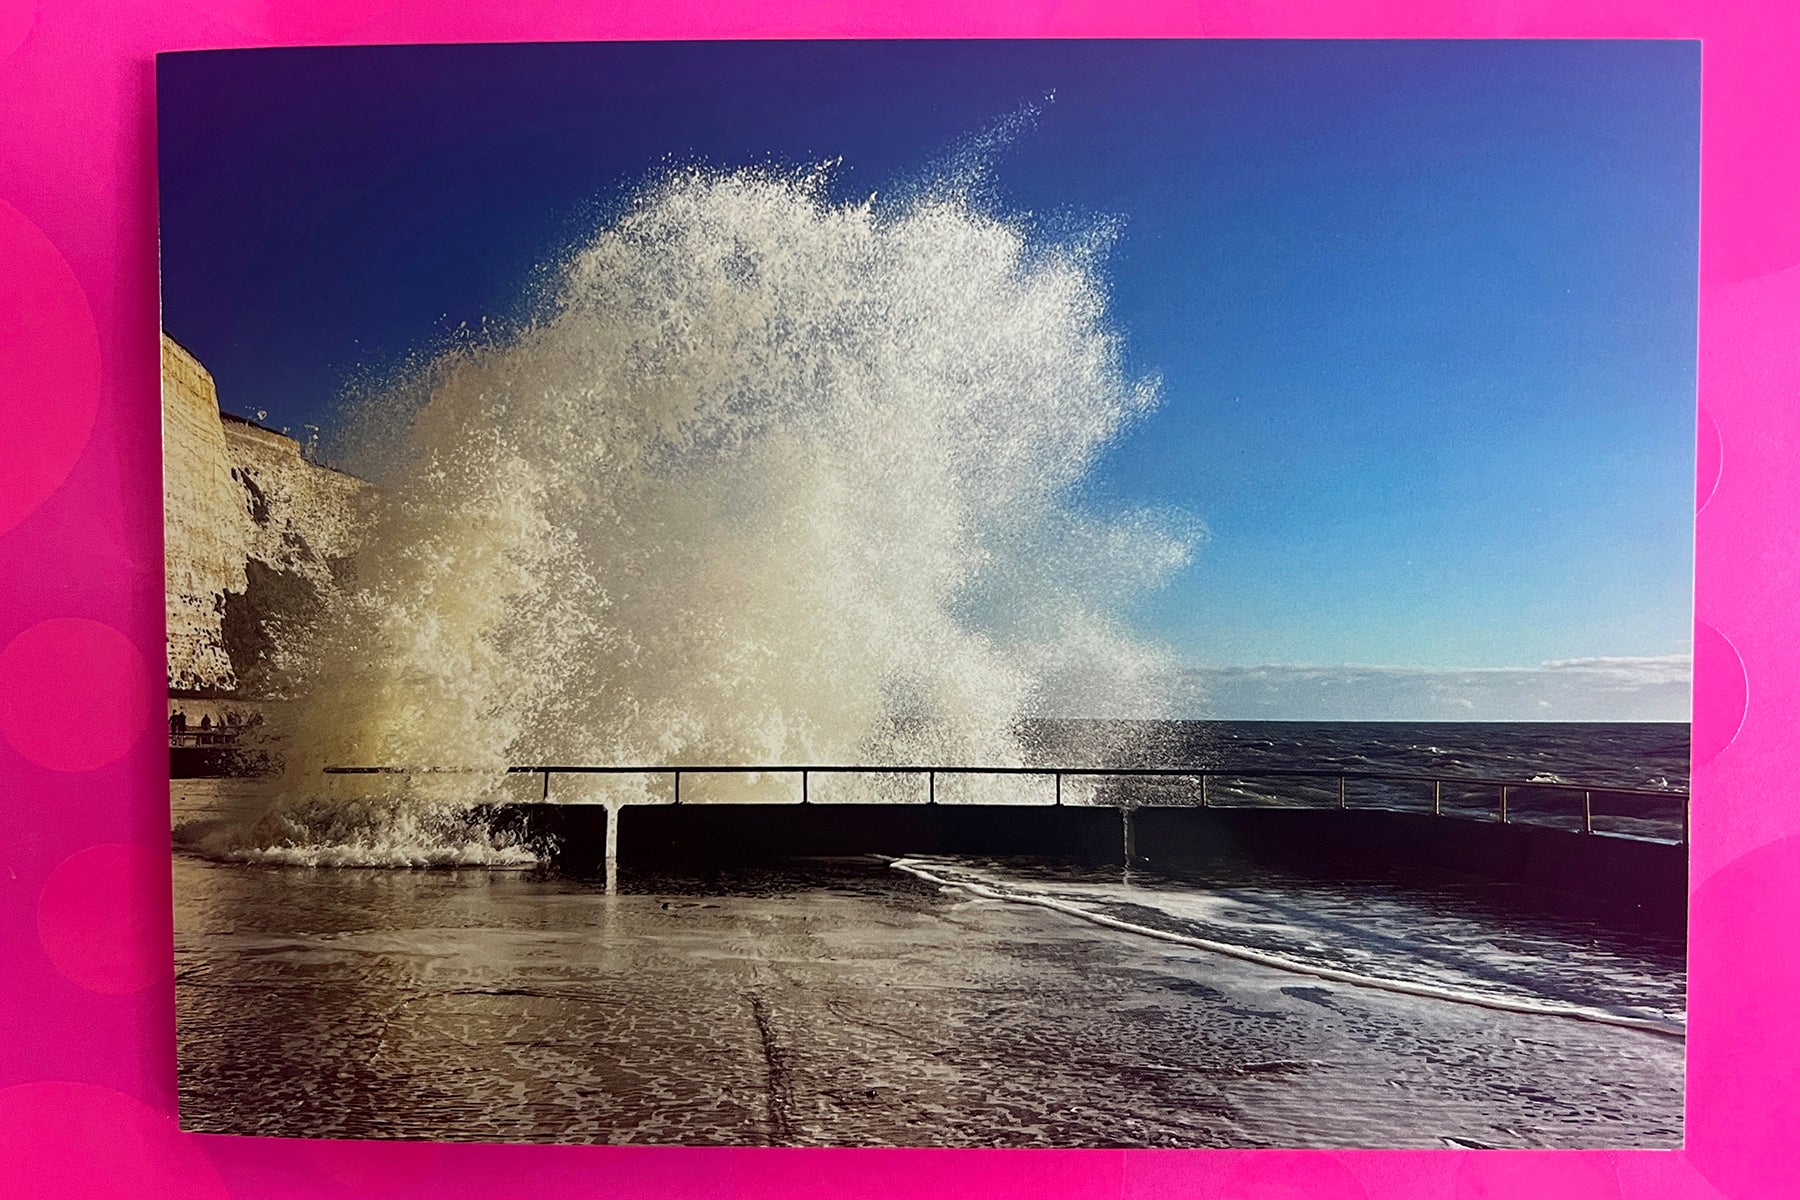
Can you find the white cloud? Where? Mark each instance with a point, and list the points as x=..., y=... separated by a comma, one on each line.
x=1575, y=689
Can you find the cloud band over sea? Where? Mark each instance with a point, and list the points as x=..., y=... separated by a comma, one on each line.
x=1653, y=688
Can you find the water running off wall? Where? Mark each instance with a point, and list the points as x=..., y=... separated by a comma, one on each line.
x=768, y=479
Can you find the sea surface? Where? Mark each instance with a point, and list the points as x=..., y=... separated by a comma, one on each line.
x=945, y=1000
x=1648, y=761
x=1650, y=755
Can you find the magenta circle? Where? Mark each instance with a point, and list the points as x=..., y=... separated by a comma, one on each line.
x=103, y=919
x=75, y=694
x=49, y=367
x=1721, y=693
x=1750, y=151
x=16, y=19
x=75, y=1141
x=1709, y=459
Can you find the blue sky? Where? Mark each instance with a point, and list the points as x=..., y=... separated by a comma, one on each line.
x=1424, y=312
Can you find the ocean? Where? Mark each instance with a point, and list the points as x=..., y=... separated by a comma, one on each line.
x=1647, y=762
x=946, y=1000
x=1634, y=755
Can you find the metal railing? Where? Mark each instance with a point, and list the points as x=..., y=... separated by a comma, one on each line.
x=225, y=735
x=1209, y=780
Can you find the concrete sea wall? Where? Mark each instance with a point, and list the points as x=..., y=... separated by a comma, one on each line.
x=1626, y=881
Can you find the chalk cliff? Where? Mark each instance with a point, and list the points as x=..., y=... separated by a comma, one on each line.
x=252, y=529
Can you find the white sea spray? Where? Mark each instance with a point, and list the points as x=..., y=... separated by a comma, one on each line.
x=768, y=479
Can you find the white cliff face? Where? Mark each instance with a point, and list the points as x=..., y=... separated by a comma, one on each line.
x=243, y=512
x=301, y=515
x=205, y=531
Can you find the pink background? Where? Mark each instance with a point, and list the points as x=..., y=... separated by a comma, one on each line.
x=87, y=1068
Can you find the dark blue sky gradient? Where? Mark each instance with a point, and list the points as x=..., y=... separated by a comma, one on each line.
x=1424, y=312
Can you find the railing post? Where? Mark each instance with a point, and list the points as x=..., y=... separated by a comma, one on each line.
x=1503, y=804
x=1343, y=791
x=1204, y=802
x=1059, y=788
x=546, y=786
x=931, y=787
x=1587, y=812
x=1686, y=818
x=678, y=787
x=612, y=847
x=1437, y=797
x=803, y=786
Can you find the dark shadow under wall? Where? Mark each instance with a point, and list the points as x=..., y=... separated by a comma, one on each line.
x=1632, y=883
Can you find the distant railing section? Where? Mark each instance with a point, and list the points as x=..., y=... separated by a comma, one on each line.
x=226, y=735
x=1572, y=807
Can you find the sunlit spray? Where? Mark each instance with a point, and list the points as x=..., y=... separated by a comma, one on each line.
x=769, y=479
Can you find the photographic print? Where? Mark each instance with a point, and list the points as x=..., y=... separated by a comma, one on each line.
x=1007, y=593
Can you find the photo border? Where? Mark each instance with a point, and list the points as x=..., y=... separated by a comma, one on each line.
x=87, y=1088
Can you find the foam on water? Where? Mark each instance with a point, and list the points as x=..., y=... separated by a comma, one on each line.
x=767, y=479
x=369, y=832
x=1401, y=949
